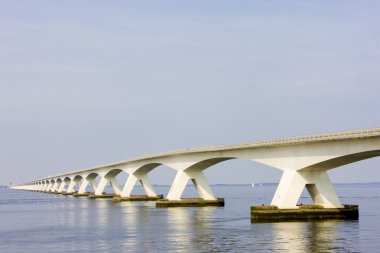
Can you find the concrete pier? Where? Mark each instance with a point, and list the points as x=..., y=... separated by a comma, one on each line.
x=189, y=202
x=261, y=214
x=68, y=193
x=137, y=198
x=86, y=194
x=103, y=196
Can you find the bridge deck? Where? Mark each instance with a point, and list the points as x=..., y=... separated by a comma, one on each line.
x=363, y=133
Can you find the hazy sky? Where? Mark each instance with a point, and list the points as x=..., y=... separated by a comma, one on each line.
x=83, y=83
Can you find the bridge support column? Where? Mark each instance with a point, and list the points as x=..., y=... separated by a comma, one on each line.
x=199, y=182
x=61, y=187
x=321, y=190
x=70, y=188
x=87, y=181
x=206, y=195
x=147, y=185
x=58, y=186
x=131, y=182
x=93, y=183
x=115, y=185
x=178, y=186
x=100, y=188
x=49, y=186
x=129, y=185
x=55, y=185
x=318, y=184
x=202, y=186
x=83, y=186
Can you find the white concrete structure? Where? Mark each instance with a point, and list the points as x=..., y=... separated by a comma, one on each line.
x=303, y=160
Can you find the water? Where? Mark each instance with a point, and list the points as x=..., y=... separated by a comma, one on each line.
x=38, y=222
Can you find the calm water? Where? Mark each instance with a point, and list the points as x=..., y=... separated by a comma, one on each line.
x=38, y=222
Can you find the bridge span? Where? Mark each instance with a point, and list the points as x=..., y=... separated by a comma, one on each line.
x=304, y=161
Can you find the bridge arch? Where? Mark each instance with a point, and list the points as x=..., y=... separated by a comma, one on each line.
x=113, y=172
x=92, y=175
x=65, y=181
x=111, y=177
x=343, y=160
x=146, y=168
x=140, y=173
x=195, y=174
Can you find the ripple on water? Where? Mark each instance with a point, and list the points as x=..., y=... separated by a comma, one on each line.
x=35, y=222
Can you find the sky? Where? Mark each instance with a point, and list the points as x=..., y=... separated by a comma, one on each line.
x=85, y=83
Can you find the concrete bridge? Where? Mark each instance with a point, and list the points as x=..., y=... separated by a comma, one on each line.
x=303, y=160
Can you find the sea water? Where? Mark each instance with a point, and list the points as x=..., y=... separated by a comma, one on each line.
x=40, y=222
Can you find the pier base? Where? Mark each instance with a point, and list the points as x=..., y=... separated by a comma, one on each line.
x=86, y=194
x=137, y=198
x=68, y=193
x=260, y=214
x=189, y=202
x=103, y=196
x=52, y=192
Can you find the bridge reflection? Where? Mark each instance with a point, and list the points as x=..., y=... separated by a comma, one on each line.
x=322, y=236
x=140, y=227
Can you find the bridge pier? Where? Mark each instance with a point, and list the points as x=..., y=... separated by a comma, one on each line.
x=50, y=185
x=126, y=195
x=284, y=204
x=70, y=188
x=317, y=183
x=147, y=186
x=83, y=186
x=54, y=188
x=44, y=187
x=261, y=214
x=99, y=188
x=62, y=186
x=128, y=186
x=206, y=196
x=199, y=181
x=87, y=180
x=58, y=186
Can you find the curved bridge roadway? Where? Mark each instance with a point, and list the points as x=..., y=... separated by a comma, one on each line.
x=303, y=160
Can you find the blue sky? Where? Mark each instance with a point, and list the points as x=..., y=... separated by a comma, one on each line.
x=90, y=82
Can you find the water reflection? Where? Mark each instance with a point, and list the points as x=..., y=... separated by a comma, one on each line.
x=130, y=219
x=188, y=229
x=139, y=226
x=324, y=236
x=50, y=223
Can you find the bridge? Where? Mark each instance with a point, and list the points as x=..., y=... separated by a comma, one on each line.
x=304, y=161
